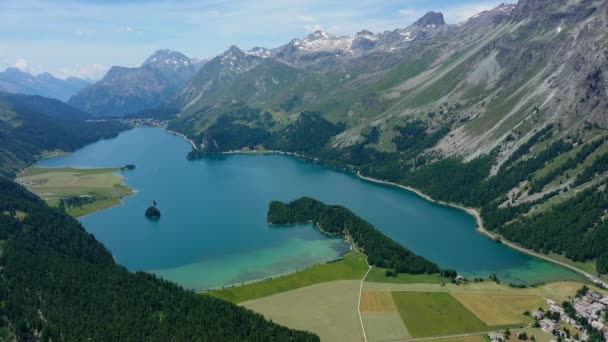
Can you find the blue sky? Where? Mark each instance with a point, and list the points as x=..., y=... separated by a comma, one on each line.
x=84, y=37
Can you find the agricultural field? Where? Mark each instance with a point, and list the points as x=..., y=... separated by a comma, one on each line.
x=377, y=275
x=102, y=186
x=428, y=314
x=381, y=318
x=496, y=309
x=352, y=266
x=329, y=309
x=324, y=299
x=474, y=338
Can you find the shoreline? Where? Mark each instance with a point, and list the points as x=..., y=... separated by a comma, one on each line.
x=482, y=230
x=115, y=173
x=280, y=275
x=471, y=211
x=183, y=136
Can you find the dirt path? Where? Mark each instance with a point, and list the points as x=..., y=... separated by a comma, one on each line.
x=360, y=293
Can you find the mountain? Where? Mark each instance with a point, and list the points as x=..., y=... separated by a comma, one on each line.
x=511, y=104
x=81, y=293
x=130, y=90
x=31, y=125
x=15, y=81
x=215, y=74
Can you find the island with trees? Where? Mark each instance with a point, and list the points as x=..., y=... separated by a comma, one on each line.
x=152, y=212
x=381, y=251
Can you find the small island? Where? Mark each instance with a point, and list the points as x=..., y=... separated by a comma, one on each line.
x=153, y=213
x=128, y=167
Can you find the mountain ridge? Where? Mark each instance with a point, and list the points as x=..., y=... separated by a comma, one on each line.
x=15, y=81
x=125, y=91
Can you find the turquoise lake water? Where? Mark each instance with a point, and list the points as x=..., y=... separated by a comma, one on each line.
x=213, y=229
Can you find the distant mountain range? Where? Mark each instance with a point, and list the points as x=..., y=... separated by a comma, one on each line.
x=15, y=81
x=130, y=90
x=30, y=125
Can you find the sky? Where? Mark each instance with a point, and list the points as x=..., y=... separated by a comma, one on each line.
x=83, y=38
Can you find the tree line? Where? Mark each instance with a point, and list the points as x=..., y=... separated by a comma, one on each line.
x=381, y=251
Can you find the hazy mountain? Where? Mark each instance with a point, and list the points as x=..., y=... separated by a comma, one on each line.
x=15, y=81
x=30, y=125
x=129, y=90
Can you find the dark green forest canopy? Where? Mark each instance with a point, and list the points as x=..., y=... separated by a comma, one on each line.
x=59, y=282
x=381, y=251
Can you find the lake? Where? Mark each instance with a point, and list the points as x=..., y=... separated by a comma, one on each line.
x=213, y=230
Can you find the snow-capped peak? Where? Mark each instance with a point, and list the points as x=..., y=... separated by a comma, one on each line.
x=322, y=41
x=259, y=52
x=169, y=58
x=502, y=10
x=319, y=34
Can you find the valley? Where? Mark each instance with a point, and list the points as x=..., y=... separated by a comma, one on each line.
x=305, y=293
x=424, y=178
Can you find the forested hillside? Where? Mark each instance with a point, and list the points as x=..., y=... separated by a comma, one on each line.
x=58, y=283
x=381, y=251
x=505, y=112
x=30, y=125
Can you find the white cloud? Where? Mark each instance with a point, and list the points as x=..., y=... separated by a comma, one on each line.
x=313, y=28
x=130, y=29
x=407, y=12
x=21, y=64
x=92, y=72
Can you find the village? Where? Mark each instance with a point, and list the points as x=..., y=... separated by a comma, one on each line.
x=585, y=318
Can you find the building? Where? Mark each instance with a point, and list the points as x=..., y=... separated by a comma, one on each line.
x=538, y=314
x=496, y=337
x=548, y=325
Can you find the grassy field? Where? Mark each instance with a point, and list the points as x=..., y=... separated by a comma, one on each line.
x=377, y=275
x=475, y=338
x=539, y=335
x=385, y=327
x=102, y=185
x=377, y=302
x=352, y=266
x=328, y=309
x=392, y=311
x=587, y=266
x=412, y=287
x=427, y=314
x=381, y=318
x=500, y=309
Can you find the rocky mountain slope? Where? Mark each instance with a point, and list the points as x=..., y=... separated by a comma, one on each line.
x=15, y=81
x=129, y=90
x=512, y=103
